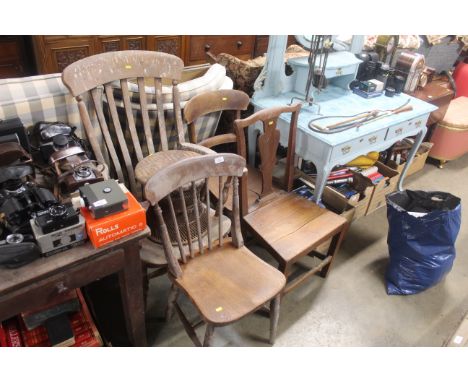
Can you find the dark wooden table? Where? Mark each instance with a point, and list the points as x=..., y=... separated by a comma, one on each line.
x=33, y=285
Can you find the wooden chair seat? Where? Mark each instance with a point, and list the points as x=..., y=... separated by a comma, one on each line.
x=228, y=283
x=150, y=165
x=292, y=226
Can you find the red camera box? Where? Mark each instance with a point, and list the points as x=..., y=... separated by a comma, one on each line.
x=114, y=227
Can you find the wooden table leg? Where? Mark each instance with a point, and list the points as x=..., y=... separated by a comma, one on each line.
x=131, y=289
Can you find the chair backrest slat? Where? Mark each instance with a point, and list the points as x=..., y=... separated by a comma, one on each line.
x=235, y=223
x=186, y=220
x=208, y=208
x=120, y=137
x=178, y=111
x=197, y=217
x=176, y=226
x=161, y=120
x=130, y=119
x=144, y=115
x=172, y=262
x=220, y=211
x=186, y=176
x=89, y=128
x=96, y=95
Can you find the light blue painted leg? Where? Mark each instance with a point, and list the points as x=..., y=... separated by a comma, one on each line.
x=322, y=175
x=411, y=154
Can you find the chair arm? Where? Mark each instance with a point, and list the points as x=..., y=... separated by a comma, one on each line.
x=219, y=140
x=196, y=148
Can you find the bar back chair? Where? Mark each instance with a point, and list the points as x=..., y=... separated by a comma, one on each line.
x=134, y=152
x=221, y=277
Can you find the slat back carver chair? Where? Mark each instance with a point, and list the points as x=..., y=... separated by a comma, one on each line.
x=220, y=100
x=287, y=225
x=222, y=278
x=117, y=84
x=131, y=149
x=210, y=102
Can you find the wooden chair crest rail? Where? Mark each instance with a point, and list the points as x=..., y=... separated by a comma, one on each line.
x=98, y=77
x=222, y=278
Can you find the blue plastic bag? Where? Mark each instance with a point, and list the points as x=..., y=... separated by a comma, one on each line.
x=423, y=227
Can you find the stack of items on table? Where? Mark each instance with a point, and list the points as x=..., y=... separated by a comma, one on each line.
x=66, y=321
x=43, y=185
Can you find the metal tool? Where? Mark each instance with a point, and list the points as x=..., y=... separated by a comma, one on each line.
x=357, y=120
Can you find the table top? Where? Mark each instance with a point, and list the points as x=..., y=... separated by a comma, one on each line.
x=45, y=266
x=336, y=101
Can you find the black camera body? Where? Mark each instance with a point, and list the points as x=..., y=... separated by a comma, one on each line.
x=19, y=200
x=56, y=217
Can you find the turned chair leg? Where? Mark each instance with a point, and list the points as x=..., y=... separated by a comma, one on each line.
x=208, y=335
x=171, y=300
x=274, y=317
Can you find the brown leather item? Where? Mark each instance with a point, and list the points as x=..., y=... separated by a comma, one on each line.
x=11, y=152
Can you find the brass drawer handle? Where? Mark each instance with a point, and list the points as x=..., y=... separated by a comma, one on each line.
x=345, y=150
x=339, y=71
x=398, y=131
x=373, y=139
x=239, y=43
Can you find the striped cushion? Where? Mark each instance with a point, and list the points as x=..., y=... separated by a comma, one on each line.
x=38, y=98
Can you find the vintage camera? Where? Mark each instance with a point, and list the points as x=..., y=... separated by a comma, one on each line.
x=68, y=154
x=104, y=198
x=67, y=230
x=56, y=217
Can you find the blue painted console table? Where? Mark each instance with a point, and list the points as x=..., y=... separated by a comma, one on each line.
x=329, y=150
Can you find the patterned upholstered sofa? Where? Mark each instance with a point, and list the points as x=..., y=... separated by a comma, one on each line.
x=45, y=98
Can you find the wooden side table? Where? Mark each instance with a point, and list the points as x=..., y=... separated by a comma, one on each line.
x=33, y=285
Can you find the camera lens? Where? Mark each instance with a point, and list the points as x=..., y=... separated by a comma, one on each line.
x=83, y=172
x=58, y=210
x=14, y=238
x=60, y=142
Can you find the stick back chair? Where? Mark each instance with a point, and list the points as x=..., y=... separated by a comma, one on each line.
x=100, y=77
x=287, y=225
x=221, y=277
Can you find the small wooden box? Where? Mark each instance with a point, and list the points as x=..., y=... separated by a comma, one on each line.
x=387, y=185
x=418, y=162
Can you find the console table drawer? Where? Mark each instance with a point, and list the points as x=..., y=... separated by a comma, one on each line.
x=402, y=129
x=366, y=142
